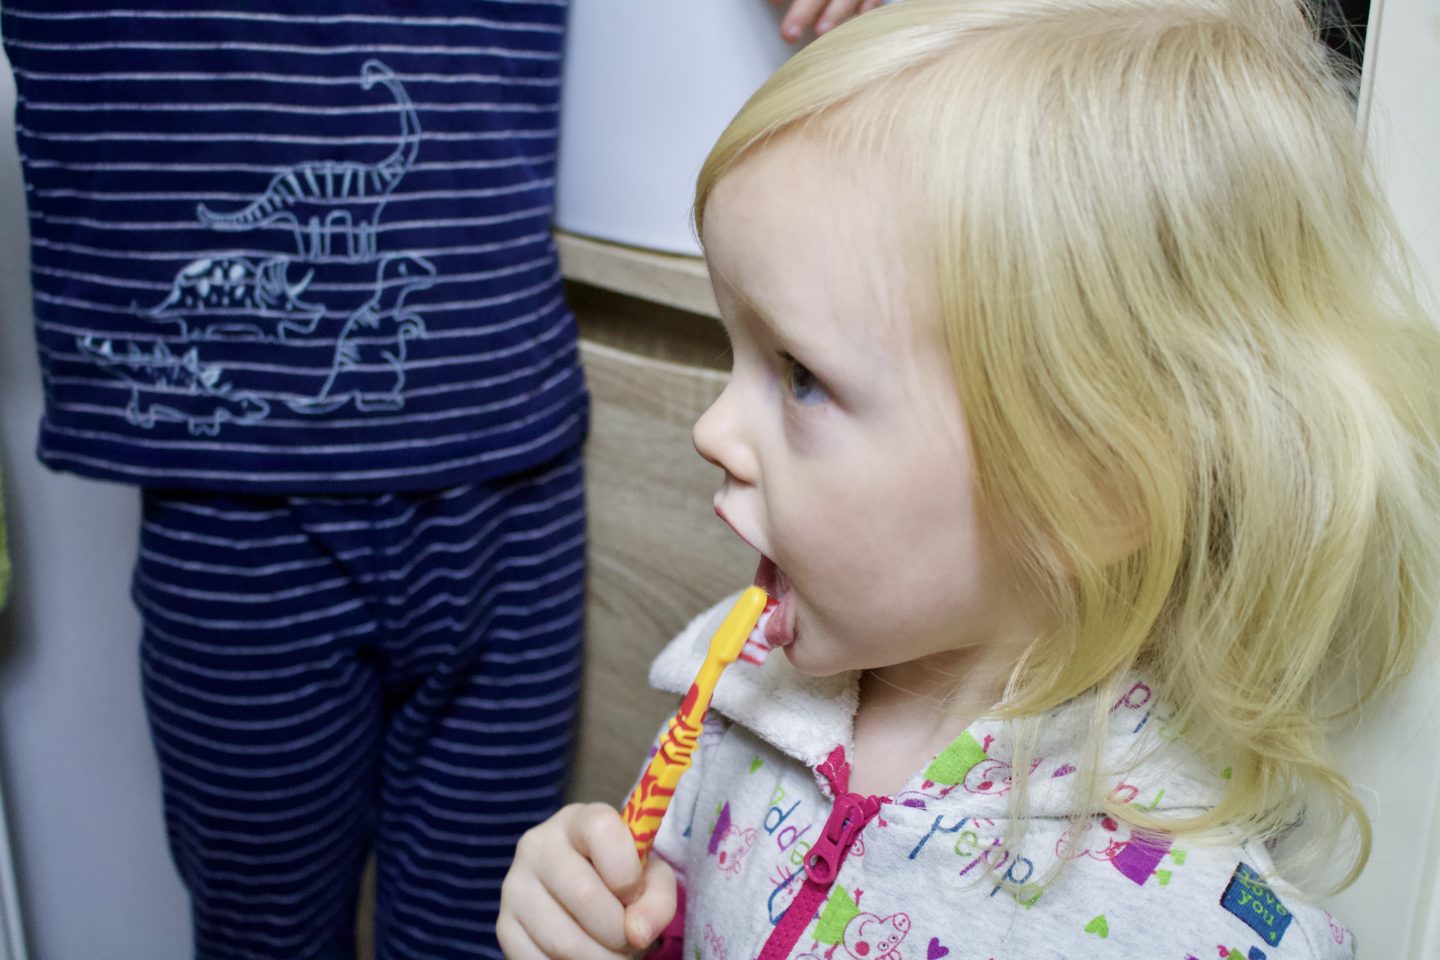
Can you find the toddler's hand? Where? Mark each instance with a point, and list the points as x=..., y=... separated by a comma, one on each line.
x=823, y=15
x=577, y=890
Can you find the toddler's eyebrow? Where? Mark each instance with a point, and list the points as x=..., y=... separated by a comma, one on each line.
x=783, y=340
x=746, y=311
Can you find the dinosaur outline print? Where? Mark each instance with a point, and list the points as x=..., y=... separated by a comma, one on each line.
x=391, y=324
x=164, y=386
x=219, y=297
x=332, y=208
x=329, y=201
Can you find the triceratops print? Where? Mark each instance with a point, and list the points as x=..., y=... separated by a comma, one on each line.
x=332, y=206
x=332, y=209
x=164, y=386
x=228, y=297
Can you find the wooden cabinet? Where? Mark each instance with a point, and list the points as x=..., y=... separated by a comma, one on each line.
x=657, y=553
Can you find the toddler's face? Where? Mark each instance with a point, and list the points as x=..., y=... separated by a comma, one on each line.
x=845, y=456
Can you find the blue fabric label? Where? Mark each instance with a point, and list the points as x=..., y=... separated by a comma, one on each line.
x=1248, y=898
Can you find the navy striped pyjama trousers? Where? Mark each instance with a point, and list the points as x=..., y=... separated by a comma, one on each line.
x=326, y=673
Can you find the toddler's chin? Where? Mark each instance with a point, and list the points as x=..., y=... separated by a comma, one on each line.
x=800, y=654
x=819, y=673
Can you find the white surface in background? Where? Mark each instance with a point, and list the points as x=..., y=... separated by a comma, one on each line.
x=649, y=86
x=12, y=943
x=1394, y=757
x=82, y=788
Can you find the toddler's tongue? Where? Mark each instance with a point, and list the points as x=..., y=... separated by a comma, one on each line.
x=776, y=626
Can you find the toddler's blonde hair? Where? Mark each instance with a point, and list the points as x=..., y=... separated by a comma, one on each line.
x=1200, y=389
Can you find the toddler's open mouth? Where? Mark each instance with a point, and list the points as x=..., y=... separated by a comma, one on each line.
x=777, y=623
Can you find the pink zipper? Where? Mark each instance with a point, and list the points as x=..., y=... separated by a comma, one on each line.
x=848, y=817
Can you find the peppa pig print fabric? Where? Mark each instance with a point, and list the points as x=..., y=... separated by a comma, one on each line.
x=777, y=859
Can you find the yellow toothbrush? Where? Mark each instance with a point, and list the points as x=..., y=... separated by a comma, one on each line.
x=651, y=796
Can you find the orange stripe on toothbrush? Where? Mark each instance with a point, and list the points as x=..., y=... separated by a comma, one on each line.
x=651, y=796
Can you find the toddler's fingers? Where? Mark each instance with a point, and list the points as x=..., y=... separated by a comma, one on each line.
x=515, y=943
x=802, y=14
x=599, y=834
x=569, y=879
x=652, y=913
x=835, y=13
x=545, y=931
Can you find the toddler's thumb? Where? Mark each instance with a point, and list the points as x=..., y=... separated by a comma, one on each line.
x=652, y=912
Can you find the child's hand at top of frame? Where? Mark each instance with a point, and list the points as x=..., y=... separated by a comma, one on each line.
x=577, y=890
x=823, y=15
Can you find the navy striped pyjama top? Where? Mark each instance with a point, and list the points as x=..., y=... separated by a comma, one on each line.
x=294, y=279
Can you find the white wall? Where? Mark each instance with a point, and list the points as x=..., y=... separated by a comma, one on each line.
x=81, y=785
x=619, y=126
x=1395, y=757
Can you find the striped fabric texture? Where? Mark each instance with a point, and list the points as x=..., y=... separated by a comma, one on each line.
x=279, y=251
x=321, y=671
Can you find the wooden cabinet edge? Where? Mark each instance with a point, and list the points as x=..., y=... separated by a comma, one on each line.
x=669, y=279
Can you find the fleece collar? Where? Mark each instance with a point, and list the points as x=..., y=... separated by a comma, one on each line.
x=807, y=717
x=802, y=716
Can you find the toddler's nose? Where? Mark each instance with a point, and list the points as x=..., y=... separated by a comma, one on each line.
x=719, y=436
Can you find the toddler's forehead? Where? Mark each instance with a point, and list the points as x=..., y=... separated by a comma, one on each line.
x=796, y=218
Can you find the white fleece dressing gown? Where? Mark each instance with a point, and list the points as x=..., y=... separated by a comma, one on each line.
x=761, y=798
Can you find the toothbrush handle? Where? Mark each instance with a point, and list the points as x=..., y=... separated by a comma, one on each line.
x=646, y=807
x=650, y=799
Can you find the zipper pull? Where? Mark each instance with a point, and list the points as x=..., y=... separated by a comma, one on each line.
x=849, y=816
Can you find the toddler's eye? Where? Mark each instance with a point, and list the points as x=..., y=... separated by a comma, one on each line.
x=804, y=387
